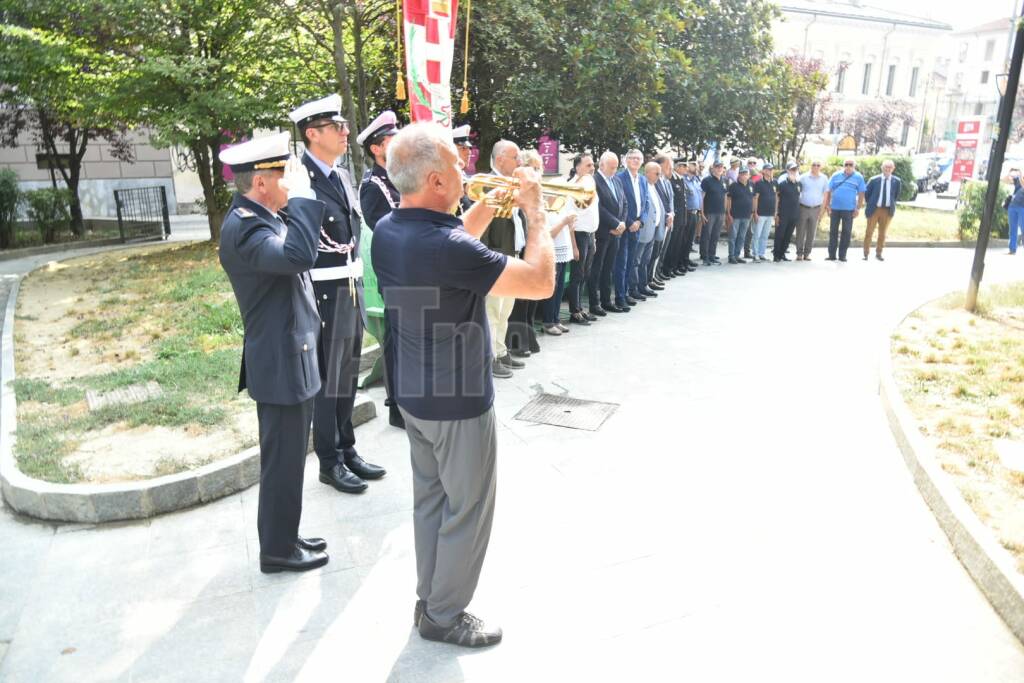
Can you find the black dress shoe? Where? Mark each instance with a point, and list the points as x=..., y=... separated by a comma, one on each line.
x=363, y=469
x=632, y=301
x=299, y=561
x=679, y=272
x=417, y=612
x=692, y=264
x=578, y=318
x=599, y=312
x=842, y=259
x=342, y=479
x=467, y=631
x=656, y=287
x=830, y=258
x=650, y=293
x=615, y=308
x=520, y=354
x=879, y=257
x=534, y=346
x=589, y=316
x=317, y=544
x=395, y=418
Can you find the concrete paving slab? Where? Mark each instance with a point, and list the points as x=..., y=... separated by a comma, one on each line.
x=745, y=515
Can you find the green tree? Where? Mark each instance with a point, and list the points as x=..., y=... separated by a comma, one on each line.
x=350, y=46
x=590, y=74
x=58, y=86
x=206, y=73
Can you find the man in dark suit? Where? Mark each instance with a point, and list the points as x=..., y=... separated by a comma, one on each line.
x=266, y=260
x=611, y=224
x=673, y=250
x=637, y=207
x=882, y=194
x=338, y=284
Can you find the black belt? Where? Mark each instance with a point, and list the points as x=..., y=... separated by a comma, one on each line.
x=804, y=206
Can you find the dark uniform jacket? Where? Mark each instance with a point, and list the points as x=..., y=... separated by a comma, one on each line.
x=377, y=195
x=266, y=260
x=500, y=235
x=679, y=196
x=342, y=223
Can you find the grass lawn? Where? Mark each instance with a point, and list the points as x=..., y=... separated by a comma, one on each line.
x=911, y=224
x=963, y=376
x=159, y=313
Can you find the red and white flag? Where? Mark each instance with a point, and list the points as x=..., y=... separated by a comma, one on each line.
x=429, y=47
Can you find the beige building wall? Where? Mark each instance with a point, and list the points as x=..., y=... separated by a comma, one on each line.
x=101, y=172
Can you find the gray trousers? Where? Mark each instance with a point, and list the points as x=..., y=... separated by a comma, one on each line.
x=453, y=481
x=806, y=228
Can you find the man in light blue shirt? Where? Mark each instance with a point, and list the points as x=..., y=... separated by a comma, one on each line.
x=843, y=201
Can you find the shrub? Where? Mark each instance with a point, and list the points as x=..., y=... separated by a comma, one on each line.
x=872, y=166
x=10, y=199
x=50, y=210
x=972, y=205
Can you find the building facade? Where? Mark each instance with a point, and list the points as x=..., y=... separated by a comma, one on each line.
x=871, y=55
x=101, y=172
x=977, y=57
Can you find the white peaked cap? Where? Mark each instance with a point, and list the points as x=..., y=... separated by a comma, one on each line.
x=325, y=108
x=385, y=124
x=258, y=154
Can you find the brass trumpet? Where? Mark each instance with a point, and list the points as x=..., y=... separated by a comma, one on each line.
x=555, y=193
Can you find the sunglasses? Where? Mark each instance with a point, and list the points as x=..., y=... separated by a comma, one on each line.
x=338, y=126
x=848, y=165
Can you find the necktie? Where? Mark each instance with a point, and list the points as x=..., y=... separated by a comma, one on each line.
x=336, y=181
x=885, y=192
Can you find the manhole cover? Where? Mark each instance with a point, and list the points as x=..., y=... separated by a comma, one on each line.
x=563, y=411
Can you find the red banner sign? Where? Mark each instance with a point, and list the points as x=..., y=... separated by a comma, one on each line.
x=963, y=159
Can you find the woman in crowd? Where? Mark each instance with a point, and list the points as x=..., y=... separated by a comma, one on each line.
x=561, y=226
x=583, y=242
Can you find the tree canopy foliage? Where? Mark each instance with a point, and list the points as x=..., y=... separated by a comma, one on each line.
x=610, y=75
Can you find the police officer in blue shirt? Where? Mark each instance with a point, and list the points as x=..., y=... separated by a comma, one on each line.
x=338, y=284
x=266, y=259
x=843, y=201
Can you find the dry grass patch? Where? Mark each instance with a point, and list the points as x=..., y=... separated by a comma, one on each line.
x=963, y=378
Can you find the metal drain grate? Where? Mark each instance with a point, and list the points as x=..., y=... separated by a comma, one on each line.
x=563, y=411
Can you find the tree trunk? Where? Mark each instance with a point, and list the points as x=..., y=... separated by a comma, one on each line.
x=357, y=38
x=201, y=151
x=341, y=71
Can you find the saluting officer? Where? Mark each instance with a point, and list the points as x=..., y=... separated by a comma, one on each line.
x=377, y=196
x=266, y=260
x=338, y=285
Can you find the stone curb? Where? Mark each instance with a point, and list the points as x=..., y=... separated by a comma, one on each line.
x=988, y=563
x=93, y=503
x=55, y=248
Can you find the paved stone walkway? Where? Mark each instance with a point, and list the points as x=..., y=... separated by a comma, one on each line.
x=744, y=516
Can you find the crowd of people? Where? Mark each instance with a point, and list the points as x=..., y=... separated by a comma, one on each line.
x=467, y=291
x=658, y=219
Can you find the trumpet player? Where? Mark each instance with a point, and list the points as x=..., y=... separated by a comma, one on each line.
x=338, y=286
x=436, y=276
x=505, y=236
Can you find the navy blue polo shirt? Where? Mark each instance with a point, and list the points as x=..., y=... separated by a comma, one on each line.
x=714, y=195
x=742, y=200
x=434, y=277
x=764, y=190
x=789, y=196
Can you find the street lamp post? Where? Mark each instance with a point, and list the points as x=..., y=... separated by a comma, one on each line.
x=1008, y=89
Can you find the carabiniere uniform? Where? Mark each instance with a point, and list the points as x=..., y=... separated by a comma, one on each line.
x=338, y=287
